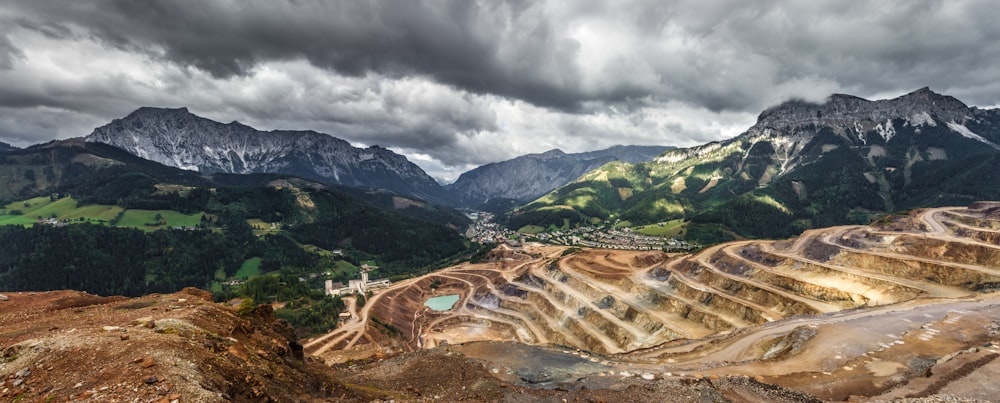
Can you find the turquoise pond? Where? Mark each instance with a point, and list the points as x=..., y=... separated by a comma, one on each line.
x=442, y=303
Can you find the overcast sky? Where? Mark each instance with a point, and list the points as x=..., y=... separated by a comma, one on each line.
x=456, y=84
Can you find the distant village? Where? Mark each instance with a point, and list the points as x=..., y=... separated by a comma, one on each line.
x=623, y=238
x=485, y=231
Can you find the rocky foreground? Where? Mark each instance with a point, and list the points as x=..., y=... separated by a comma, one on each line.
x=70, y=346
x=73, y=346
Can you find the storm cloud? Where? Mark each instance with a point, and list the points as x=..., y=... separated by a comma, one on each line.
x=454, y=84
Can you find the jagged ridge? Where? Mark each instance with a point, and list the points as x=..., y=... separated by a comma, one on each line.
x=841, y=109
x=178, y=138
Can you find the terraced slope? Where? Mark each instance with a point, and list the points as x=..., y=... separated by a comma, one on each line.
x=640, y=305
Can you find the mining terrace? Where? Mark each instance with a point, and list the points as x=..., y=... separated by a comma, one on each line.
x=906, y=307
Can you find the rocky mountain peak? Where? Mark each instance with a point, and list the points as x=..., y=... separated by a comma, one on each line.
x=178, y=138
x=842, y=110
x=152, y=111
x=942, y=104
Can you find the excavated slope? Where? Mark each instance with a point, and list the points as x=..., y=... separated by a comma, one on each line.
x=615, y=302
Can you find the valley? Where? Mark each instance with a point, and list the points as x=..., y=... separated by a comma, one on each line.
x=849, y=310
x=499, y=201
x=616, y=281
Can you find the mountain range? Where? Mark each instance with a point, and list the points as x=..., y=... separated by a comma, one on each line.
x=178, y=138
x=802, y=165
x=525, y=178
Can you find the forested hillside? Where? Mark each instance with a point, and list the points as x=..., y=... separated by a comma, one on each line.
x=287, y=225
x=803, y=165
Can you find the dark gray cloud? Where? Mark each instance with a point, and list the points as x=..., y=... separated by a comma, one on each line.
x=721, y=55
x=9, y=53
x=490, y=47
x=464, y=82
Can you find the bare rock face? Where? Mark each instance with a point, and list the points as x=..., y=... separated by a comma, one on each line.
x=847, y=110
x=878, y=122
x=178, y=138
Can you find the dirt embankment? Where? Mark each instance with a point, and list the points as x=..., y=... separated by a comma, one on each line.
x=443, y=374
x=72, y=346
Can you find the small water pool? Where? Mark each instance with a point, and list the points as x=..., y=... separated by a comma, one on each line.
x=442, y=303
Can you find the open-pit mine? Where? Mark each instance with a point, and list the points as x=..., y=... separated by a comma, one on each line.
x=906, y=307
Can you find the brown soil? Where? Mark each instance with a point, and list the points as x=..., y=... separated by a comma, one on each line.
x=71, y=346
x=442, y=374
x=63, y=346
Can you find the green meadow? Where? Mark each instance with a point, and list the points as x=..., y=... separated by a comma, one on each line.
x=147, y=219
x=262, y=227
x=249, y=268
x=531, y=229
x=672, y=228
x=28, y=212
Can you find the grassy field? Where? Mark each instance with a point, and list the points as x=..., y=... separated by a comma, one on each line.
x=68, y=209
x=672, y=228
x=99, y=212
x=623, y=224
x=262, y=227
x=531, y=229
x=343, y=265
x=316, y=250
x=140, y=219
x=61, y=209
x=249, y=268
